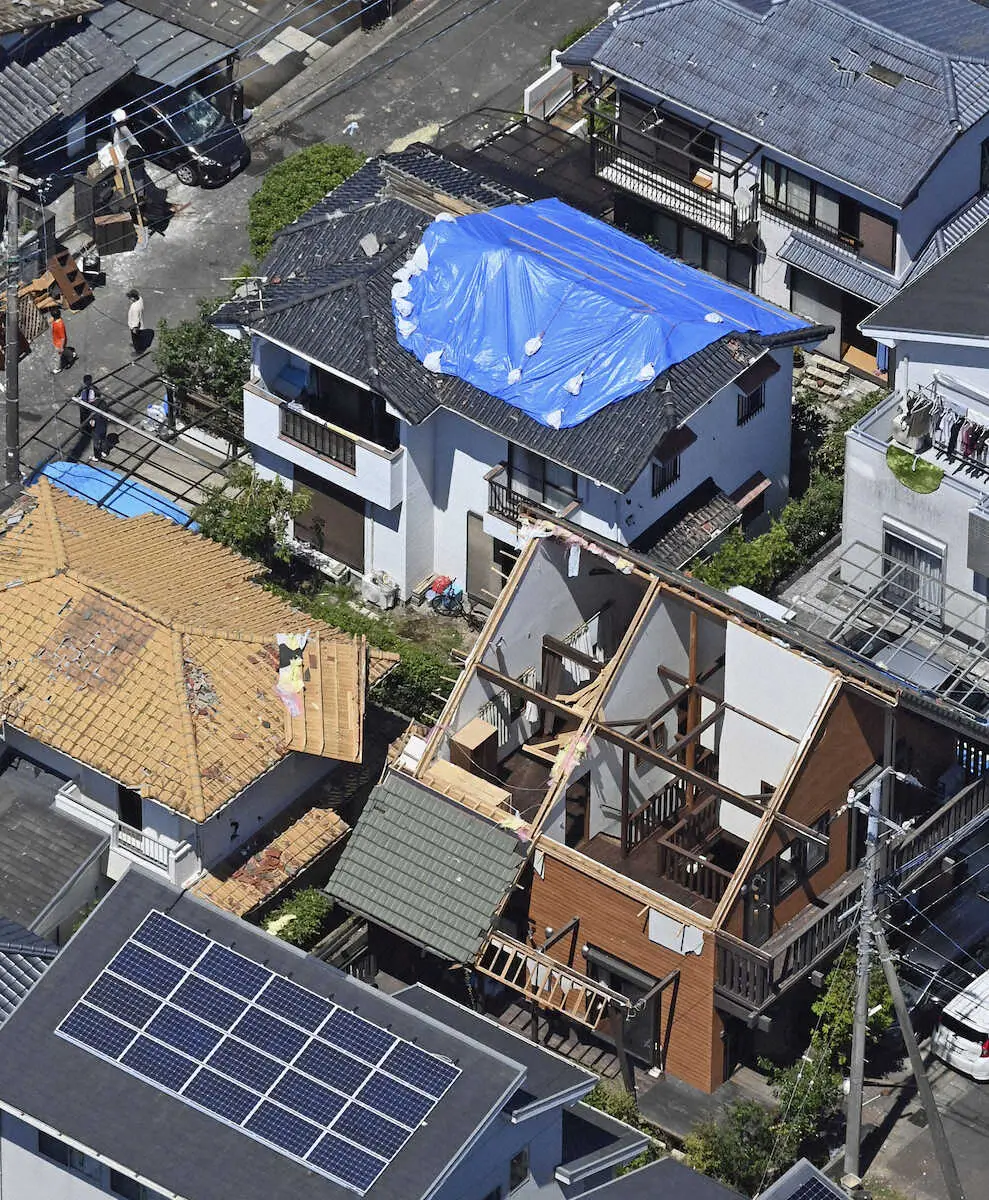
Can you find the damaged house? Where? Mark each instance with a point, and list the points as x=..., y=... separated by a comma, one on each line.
x=143, y=680
x=431, y=351
x=632, y=815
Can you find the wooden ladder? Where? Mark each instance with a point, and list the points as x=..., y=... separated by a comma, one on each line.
x=551, y=984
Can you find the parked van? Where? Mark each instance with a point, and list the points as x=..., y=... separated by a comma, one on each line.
x=961, y=1038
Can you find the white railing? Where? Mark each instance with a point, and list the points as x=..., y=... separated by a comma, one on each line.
x=144, y=845
x=498, y=710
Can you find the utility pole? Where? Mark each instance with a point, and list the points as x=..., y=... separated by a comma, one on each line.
x=11, y=421
x=942, y=1151
x=863, y=968
x=869, y=932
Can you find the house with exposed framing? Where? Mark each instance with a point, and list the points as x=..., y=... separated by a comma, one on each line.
x=673, y=769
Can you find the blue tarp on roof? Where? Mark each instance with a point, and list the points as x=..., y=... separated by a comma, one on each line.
x=557, y=313
x=107, y=489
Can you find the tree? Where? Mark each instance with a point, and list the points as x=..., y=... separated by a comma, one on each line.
x=251, y=514
x=302, y=919
x=736, y=1149
x=197, y=357
x=293, y=186
x=835, y=1006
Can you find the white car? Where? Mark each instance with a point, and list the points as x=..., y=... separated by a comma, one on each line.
x=961, y=1038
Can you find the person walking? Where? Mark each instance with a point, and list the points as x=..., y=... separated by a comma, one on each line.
x=89, y=393
x=60, y=343
x=97, y=424
x=135, y=321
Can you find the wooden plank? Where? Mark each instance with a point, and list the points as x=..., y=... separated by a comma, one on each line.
x=569, y=654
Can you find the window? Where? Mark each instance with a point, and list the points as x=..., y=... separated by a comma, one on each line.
x=665, y=474
x=700, y=249
x=821, y=208
x=532, y=476
x=915, y=575
x=130, y=807
x=749, y=405
x=518, y=1172
x=124, y=1186
x=60, y=1152
x=801, y=858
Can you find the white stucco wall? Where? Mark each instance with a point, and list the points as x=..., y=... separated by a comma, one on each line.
x=968, y=363
x=779, y=687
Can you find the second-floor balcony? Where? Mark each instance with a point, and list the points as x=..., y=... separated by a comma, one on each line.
x=291, y=430
x=509, y=495
x=669, y=163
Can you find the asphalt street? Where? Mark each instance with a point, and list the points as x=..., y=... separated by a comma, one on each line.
x=433, y=64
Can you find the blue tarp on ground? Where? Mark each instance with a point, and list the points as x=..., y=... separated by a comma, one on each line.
x=602, y=313
x=107, y=489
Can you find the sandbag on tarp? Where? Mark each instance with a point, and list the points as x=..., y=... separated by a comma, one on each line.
x=557, y=313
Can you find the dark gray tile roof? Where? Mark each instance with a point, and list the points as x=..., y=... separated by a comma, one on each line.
x=232, y=22
x=688, y=527
x=163, y=51
x=837, y=266
x=23, y=959
x=547, y=1075
x=950, y=297
x=41, y=849
x=660, y=1179
x=964, y=221
x=427, y=868
x=56, y=74
x=97, y=1105
x=794, y=76
x=16, y=15
x=309, y=307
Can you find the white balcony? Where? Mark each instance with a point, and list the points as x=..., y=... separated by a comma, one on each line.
x=354, y=463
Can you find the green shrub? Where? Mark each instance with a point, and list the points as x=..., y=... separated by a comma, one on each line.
x=250, y=514
x=196, y=356
x=302, y=919
x=816, y=517
x=834, y=1006
x=737, y=1149
x=292, y=187
x=829, y=458
x=757, y=564
x=614, y=1101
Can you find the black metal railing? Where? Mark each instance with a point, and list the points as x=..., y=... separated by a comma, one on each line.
x=322, y=439
x=796, y=216
x=616, y=155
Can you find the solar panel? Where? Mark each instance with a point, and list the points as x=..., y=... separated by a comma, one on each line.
x=424, y=1071
x=267, y=1033
x=258, y=1052
x=98, y=1032
x=307, y=1097
x=122, y=1000
x=360, y=1037
x=157, y=1062
x=220, y=1096
x=246, y=1065
x=233, y=971
x=396, y=1100
x=332, y=1066
x=185, y=1033
x=140, y=966
x=371, y=1130
x=283, y=1129
x=168, y=937
x=344, y=1161
x=294, y=1003
x=211, y=1003
x=814, y=1189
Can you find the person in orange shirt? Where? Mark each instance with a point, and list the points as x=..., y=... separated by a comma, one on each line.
x=60, y=341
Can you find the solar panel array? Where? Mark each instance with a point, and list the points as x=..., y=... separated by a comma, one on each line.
x=814, y=1189
x=257, y=1051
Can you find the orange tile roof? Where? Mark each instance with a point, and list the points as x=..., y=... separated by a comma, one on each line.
x=148, y=653
x=238, y=889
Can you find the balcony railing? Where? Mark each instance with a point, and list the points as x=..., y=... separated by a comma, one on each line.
x=325, y=440
x=144, y=845
x=753, y=976
x=950, y=819
x=616, y=156
x=692, y=872
x=505, y=502
x=796, y=216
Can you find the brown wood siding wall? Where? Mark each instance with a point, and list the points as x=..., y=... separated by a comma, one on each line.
x=850, y=743
x=610, y=921
x=925, y=749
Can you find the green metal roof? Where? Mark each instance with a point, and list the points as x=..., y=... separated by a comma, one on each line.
x=427, y=868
